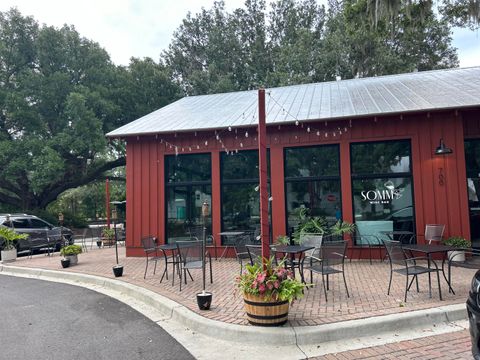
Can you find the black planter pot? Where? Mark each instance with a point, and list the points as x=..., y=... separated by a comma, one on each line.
x=118, y=270
x=204, y=300
x=65, y=263
x=99, y=243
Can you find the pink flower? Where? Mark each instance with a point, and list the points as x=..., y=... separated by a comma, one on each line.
x=269, y=285
x=276, y=284
x=261, y=288
x=261, y=278
x=254, y=285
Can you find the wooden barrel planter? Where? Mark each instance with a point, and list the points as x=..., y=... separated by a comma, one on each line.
x=263, y=313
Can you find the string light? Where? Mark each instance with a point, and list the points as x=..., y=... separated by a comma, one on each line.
x=308, y=129
x=229, y=128
x=246, y=134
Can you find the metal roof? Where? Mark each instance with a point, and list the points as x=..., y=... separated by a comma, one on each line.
x=419, y=91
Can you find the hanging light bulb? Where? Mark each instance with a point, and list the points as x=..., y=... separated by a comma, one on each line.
x=318, y=133
x=241, y=145
x=296, y=123
x=189, y=148
x=206, y=142
x=229, y=128
x=326, y=135
x=218, y=137
x=308, y=129
x=198, y=147
x=246, y=134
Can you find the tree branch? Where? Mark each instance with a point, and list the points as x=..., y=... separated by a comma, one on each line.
x=52, y=192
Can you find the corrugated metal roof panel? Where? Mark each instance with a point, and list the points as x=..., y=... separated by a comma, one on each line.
x=430, y=90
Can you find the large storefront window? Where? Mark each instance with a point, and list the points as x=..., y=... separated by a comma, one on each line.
x=240, y=194
x=188, y=185
x=382, y=187
x=312, y=180
x=472, y=161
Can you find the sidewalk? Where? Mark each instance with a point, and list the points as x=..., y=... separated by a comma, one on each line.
x=368, y=311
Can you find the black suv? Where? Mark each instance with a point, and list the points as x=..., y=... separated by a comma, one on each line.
x=39, y=230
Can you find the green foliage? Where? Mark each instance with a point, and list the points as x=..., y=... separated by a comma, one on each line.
x=108, y=233
x=71, y=250
x=10, y=237
x=59, y=95
x=342, y=227
x=308, y=225
x=457, y=241
x=284, y=240
x=271, y=282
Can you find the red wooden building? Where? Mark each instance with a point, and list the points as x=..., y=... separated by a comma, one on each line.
x=362, y=150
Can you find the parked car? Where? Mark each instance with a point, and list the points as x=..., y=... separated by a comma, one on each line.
x=473, y=310
x=39, y=230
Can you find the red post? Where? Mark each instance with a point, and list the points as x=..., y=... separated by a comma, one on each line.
x=262, y=162
x=107, y=204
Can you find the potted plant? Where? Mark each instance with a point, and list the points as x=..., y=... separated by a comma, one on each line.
x=10, y=238
x=460, y=243
x=283, y=240
x=70, y=252
x=341, y=227
x=310, y=228
x=108, y=236
x=267, y=291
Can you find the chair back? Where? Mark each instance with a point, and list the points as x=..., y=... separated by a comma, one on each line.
x=149, y=243
x=395, y=252
x=254, y=252
x=312, y=240
x=333, y=252
x=190, y=251
x=434, y=232
x=240, y=244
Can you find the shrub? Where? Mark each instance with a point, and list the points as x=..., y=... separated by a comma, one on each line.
x=71, y=250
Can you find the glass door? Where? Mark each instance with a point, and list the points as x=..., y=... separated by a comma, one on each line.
x=472, y=160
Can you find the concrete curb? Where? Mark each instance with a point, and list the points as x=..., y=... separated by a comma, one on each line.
x=288, y=335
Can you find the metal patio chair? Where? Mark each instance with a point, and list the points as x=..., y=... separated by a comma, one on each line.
x=330, y=261
x=254, y=253
x=190, y=257
x=366, y=242
x=407, y=266
x=149, y=244
x=434, y=232
x=240, y=247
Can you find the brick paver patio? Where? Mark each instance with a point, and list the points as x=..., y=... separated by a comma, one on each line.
x=367, y=285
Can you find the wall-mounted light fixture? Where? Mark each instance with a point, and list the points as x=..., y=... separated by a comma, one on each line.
x=442, y=149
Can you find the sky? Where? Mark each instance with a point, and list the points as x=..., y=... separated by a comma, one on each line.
x=142, y=28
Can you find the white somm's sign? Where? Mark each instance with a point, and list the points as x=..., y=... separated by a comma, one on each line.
x=383, y=196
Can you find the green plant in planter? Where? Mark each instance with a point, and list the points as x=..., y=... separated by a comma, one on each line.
x=10, y=237
x=270, y=281
x=342, y=227
x=108, y=233
x=457, y=241
x=309, y=225
x=71, y=250
x=284, y=240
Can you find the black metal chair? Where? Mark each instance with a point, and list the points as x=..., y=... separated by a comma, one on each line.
x=254, y=253
x=240, y=247
x=196, y=233
x=408, y=267
x=149, y=244
x=331, y=260
x=190, y=257
x=472, y=261
x=366, y=242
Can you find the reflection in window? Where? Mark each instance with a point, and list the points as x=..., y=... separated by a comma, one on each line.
x=240, y=195
x=381, y=157
x=188, y=185
x=382, y=188
x=312, y=180
x=472, y=160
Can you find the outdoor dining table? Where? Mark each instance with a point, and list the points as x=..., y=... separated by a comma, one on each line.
x=229, y=244
x=164, y=248
x=428, y=250
x=293, y=251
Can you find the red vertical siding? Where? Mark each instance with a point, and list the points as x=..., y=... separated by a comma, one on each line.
x=434, y=202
